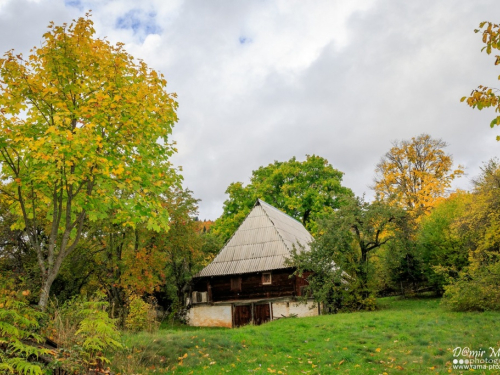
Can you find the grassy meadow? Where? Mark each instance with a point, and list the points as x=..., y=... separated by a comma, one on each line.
x=404, y=336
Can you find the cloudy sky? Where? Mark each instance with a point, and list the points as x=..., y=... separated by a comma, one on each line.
x=263, y=80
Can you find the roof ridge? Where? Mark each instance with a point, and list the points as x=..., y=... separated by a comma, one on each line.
x=278, y=210
x=274, y=225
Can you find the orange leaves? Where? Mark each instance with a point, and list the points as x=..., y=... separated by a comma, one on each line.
x=180, y=359
x=143, y=270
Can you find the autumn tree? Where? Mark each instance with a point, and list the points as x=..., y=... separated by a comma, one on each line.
x=415, y=173
x=183, y=247
x=140, y=262
x=304, y=190
x=83, y=136
x=486, y=97
x=477, y=286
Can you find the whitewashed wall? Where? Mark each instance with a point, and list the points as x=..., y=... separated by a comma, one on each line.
x=281, y=309
x=211, y=316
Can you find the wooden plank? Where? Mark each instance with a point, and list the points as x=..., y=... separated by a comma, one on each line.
x=209, y=290
x=242, y=315
x=262, y=314
x=252, y=287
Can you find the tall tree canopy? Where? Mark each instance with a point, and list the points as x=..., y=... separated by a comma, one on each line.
x=304, y=190
x=83, y=135
x=485, y=97
x=415, y=173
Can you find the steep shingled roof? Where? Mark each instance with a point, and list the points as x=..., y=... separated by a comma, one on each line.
x=262, y=242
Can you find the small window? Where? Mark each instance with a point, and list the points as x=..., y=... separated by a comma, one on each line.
x=266, y=278
x=236, y=284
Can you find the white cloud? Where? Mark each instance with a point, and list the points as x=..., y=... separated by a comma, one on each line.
x=265, y=80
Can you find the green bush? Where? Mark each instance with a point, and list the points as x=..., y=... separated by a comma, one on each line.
x=19, y=337
x=141, y=315
x=85, y=334
x=477, y=290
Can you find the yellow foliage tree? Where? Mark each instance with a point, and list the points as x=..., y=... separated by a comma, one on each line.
x=478, y=286
x=482, y=221
x=415, y=173
x=485, y=97
x=83, y=136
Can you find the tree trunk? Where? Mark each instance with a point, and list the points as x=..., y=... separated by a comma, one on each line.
x=44, y=296
x=45, y=291
x=364, y=272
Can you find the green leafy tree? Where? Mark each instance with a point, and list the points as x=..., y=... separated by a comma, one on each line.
x=485, y=97
x=442, y=247
x=185, y=250
x=339, y=257
x=304, y=190
x=83, y=136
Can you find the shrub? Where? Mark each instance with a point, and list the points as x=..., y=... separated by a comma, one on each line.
x=475, y=291
x=142, y=315
x=19, y=352
x=85, y=333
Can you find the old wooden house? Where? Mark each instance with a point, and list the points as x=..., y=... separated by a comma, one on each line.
x=249, y=280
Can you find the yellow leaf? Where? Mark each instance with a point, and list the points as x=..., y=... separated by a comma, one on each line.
x=51, y=129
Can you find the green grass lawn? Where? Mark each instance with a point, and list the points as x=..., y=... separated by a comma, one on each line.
x=414, y=336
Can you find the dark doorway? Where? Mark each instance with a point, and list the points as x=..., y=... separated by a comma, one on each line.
x=262, y=314
x=242, y=315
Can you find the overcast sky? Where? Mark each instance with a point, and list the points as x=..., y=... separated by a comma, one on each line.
x=262, y=80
